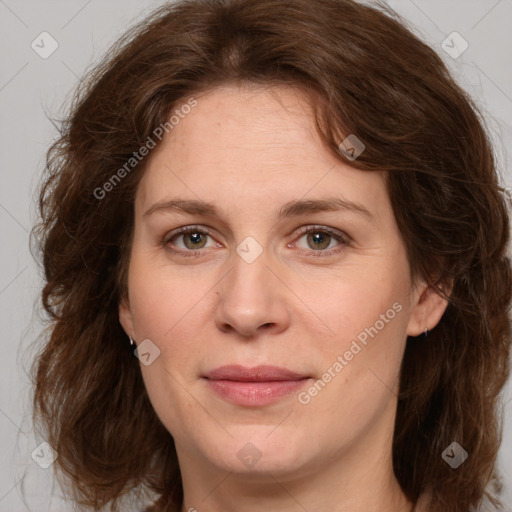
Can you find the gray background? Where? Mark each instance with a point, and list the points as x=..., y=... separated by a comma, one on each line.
x=31, y=86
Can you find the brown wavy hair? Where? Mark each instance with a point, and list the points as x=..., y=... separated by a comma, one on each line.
x=365, y=73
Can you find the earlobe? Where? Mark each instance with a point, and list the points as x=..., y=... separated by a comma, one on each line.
x=428, y=309
x=126, y=318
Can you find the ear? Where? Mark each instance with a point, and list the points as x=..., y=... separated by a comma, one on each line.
x=427, y=308
x=126, y=317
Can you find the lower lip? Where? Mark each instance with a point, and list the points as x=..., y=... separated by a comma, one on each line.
x=255, y=393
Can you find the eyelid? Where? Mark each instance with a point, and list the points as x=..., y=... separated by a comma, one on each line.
x=186, y=229
x=338, y=235
x=331, y=231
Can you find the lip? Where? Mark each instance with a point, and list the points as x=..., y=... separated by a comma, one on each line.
x=257, y=386
x=262, y=373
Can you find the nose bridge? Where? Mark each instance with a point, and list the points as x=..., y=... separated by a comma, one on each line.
x=250, y=296
x=250, y=278
x=250, y=274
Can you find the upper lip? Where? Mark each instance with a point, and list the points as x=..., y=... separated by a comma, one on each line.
x=262, y=373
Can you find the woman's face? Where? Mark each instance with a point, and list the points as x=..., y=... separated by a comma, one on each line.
x=293, y=260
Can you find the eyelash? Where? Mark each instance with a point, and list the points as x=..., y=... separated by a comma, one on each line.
x=337, y=235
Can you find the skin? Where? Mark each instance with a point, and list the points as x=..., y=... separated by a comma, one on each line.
x=249, y=150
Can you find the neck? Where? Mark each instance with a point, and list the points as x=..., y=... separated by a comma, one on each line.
x=361, y=492
x=356, y=480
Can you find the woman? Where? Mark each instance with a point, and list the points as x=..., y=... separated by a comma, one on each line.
x=274, y=246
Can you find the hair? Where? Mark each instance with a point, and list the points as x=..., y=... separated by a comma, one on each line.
x=365, y=73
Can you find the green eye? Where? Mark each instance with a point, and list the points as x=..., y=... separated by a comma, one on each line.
x=318, y=240
x=194, y=240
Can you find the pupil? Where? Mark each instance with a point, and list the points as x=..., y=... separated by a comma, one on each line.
x=320, y=240
x=194, y=240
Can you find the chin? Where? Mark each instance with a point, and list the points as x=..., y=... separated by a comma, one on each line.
x=258, y=453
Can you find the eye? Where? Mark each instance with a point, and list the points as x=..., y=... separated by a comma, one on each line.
x=192, y=239
x=319, y=240
x=323, y=240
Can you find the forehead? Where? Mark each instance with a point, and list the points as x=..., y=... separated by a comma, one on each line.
x=244, y=120
x=248, y=142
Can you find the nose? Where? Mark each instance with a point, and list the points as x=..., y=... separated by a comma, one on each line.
x=252, y=300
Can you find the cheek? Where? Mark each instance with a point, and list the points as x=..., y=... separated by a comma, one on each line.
x=366, y=311
x=165, y=310
x=159, y=299
x=170, y=309
x=358, y=299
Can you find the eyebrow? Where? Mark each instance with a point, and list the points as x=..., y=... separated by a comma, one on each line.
x=290, y=209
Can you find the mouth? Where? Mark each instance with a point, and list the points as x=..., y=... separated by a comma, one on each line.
x=256, y=386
